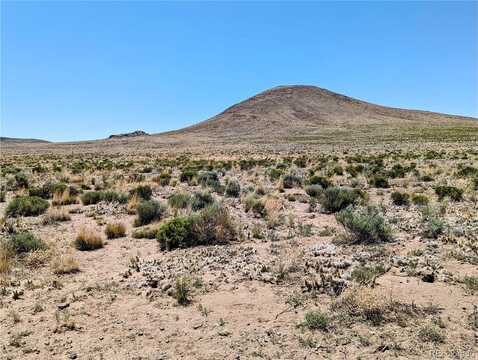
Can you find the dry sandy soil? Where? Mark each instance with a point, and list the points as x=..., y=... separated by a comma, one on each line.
x=291, y=282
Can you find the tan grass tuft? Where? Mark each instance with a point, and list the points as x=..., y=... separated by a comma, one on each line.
x=88, y=239
x=64, y=264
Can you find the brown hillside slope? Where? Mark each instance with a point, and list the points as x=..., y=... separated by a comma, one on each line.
x=298, y=110
x=285, y=117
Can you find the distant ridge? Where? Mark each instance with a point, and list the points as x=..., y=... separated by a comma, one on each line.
x=130, y=134
x=4, y=139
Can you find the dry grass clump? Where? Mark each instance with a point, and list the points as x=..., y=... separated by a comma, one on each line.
x=145, y=233
x=369, y=305
x=37, y=258
x=64, y=264
x=182, y=290
x=6, y=258
x=54, y=215
x=115, y=230
x=431, y=333
x=88, y=239
x=273, y=207
x=63, y=198
x=133, y=203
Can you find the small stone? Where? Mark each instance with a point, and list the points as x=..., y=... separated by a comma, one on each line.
x=63, y=306
x=197, y=325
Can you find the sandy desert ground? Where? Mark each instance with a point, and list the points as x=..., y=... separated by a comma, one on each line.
x=344, y=252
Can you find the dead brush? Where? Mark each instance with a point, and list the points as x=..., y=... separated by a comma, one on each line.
x=274, y=208
x=55, y=215
x=6, y=259
x=88, y=239
x=133, y=203
x=323, y=282
x=63, y=198
x=37, y=258
x=64, y=264
x=115, y=230
x=370, y=305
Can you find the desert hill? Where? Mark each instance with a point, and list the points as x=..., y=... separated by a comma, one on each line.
x=299, y=110
x=283, y=117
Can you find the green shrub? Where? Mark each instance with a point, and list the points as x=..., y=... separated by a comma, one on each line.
x=211, y=226
x=251, y=202
x=26, y=206
x=449, y=191
x=316, y=320
x=47, y=190
x=94, y=197
x=26, y=242
x=467, y=171
x=420, y=199
x=179, y=200
x=91, y=197
x=149, y=211
x=397, y=171
x=474, y=183
x=233, y=188
x=187, y=175
x=290, y=181
x=431, y=333
x=365, y=225
x=354, y=170
x=400, y=199
x=175, y=233
x=320, y=180
x=200, y=200
x=274, y=174
x=143, y=191
x=145, y=233
x=366, y=275
x=182, y=290
x=209, y=178
x=334, y=199
x=3, y=195
x=314, y=190
x=426, y=178
x=471, y=284
x=379, y=181
x=338, y=170
x=164, y=179
x=434, y=227
x=301, y=162
x=21, y=180
x=112, y=196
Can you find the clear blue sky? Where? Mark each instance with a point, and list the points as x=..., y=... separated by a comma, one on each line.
x=84, y=70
